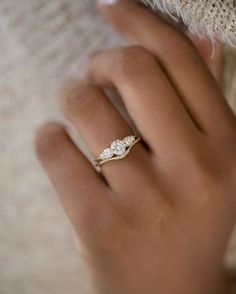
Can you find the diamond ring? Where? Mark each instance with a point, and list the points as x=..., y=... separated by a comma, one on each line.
x=118, y=150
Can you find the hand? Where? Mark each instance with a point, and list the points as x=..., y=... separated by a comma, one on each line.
x=159, y=220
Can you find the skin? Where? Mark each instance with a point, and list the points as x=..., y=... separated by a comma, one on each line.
x=159, y=220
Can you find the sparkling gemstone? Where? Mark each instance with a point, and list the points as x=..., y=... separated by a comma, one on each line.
x=106, y=154
x=118, y=147
x=128, y=141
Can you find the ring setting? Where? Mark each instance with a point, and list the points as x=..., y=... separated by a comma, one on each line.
x=118, y=149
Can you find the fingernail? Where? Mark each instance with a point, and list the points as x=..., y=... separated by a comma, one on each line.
x=107, y=2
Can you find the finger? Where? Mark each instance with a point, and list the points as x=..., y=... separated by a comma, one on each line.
x=212, y=54
x=177, y=55
x=149, y=97
x=81, y=190
x=100, y=123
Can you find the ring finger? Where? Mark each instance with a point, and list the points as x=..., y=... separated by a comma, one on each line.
x=99, y=124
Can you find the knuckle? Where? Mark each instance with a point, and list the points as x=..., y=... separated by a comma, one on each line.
x=116, y=239
x=115, y=231
x=48, y=140
x=185, y=51
x=80, y=97
x=93, y=221
x=130, y=60
x=209, y=170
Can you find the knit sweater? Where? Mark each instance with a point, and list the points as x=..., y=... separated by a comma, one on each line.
x=215, y=18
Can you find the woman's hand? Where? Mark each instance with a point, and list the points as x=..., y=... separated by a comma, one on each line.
x=159, y=220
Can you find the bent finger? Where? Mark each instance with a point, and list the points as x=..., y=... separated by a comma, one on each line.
x=182, y=63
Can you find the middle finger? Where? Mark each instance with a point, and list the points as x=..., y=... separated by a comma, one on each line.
x=180, y=60
x=148, y=95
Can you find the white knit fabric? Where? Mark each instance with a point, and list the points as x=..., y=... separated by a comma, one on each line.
x=215, y=18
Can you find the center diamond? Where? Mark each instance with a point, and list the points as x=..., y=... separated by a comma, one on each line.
x=118, y=147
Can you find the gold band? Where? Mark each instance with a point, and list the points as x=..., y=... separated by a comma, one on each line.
x=119, y=149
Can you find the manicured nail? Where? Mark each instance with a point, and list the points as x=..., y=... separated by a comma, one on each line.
x=107, y=2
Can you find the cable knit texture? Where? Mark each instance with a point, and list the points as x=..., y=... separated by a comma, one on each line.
x=215, y=18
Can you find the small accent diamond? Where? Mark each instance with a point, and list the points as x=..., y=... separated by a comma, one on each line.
x=118, y=147
x=128, y=141
x=106, y=154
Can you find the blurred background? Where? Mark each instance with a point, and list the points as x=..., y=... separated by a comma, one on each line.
x=43, y=43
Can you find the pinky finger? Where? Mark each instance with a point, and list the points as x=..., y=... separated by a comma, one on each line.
x=80, y=188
